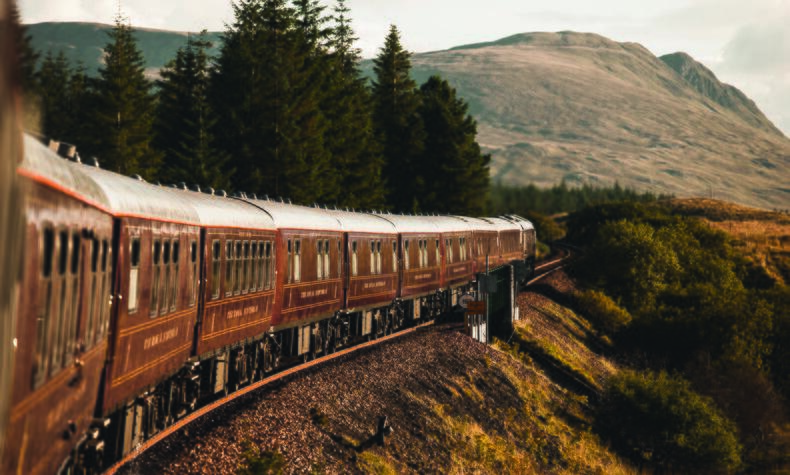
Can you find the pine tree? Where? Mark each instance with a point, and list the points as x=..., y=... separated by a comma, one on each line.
x=185, y=119
x=272, y=123
x=125, y=108
x=81, y=102
x=350, y=138
x=54, y=78
x=397, y=122
x=451, y=153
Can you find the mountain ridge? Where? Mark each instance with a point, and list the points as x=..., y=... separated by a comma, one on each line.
x=571, y=106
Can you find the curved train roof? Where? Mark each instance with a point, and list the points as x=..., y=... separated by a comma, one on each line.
x=221, y=212
x=130, y=197
x=288, y=216
x=362, y=222
x=477, y=224
x=42, y=164
x=499, y=224
x=410, y=224
x=523, y=222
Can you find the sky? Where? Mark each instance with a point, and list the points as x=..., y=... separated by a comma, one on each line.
x=746, y=43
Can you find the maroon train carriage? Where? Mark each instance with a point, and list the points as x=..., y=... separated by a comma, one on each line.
x=483, y=242
x=152, y=326
x=64, y=309
x=307, y=293
x=528, y=242
x=458, y=257
x=420, y=252
x=509, y=242
x=236, y=293
x=371, y=277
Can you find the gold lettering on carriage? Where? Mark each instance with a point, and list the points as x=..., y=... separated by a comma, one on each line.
x=313, y=293
x=422, y=276
x=160, y=338
x=459, y=269
x=238, y=312
x=374, y=285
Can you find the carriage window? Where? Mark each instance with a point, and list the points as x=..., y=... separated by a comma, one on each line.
x=72, y=318
x=372, y=245
x=297, y=260
x=320, y=259
x=339, y=259
x=238, y=262
x=263, y=273
x=174, y=275
x=156, y=258
x=245, y=268
x=104, y=302
x=229, y=270
x=57, y=329
x=91, y=303
x=215, y=268
x=438, y=254
x=269, y=265
x=378, y=257
x=134, y=273
x=406, y=257
x=290, y=263
x=326, y=258
x=394, y=256
x=463, y=248
x=195, y=276
x=255, y=265
x=353, y=258
x=43, y=320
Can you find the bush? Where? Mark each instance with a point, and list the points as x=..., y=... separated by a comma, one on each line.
x=656, y=419
x=602, y=311
x=257, y=462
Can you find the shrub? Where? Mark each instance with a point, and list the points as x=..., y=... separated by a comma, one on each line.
x=257, y=462
x=602, y=311
x=657, y=419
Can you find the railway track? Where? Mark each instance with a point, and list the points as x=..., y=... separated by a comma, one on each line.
x=542, y=270
x=208, y=409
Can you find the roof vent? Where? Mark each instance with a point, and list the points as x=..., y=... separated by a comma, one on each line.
x=265, y=197
x=67, y=150
x=196, y=188
x=290, y=202
x=182, y=186
x=92, y=161
x=209, y=191
x=254, y=196
x=137, y=177
x=222, y=193
x=280, y=199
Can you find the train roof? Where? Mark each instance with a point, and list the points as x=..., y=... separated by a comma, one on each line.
x=131, y=197
x=289, y=216
x=449, y=224
x=477, y=224
x=411, y=224
x=499, y=224
x=363, y=222
x=523, y=222
x=221, y=212
x=42, y=164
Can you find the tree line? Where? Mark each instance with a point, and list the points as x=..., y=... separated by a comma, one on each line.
x=282, y=110
x=695, y=317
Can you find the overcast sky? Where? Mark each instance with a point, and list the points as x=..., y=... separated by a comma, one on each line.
x=745, y=42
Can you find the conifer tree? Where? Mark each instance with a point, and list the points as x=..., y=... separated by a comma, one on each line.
x=272, y=123
x=398, y=124
x=452, y=153
x=54, y=78
x=350, y=138
x=125, y=108
x=81, y=102
x=185, y=119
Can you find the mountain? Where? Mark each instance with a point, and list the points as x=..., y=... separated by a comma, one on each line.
x=84, y=43
x=576, y=107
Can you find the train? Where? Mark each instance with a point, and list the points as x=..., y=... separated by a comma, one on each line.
x=139, y=302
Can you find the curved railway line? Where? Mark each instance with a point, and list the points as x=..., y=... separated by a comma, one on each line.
x=541, y=271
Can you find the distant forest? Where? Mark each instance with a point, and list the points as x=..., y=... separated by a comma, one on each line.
x=282, y=110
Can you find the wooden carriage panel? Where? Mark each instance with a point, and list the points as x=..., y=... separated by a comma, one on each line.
x=303, y=294
x=239, y=291
x=153, y=329
x=459, y=260
x=421, y=275
x=373, y=278
x=53, y=398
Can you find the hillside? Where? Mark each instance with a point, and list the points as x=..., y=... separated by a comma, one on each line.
x=455, y=405
x=576, y=107
x=582, y=108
